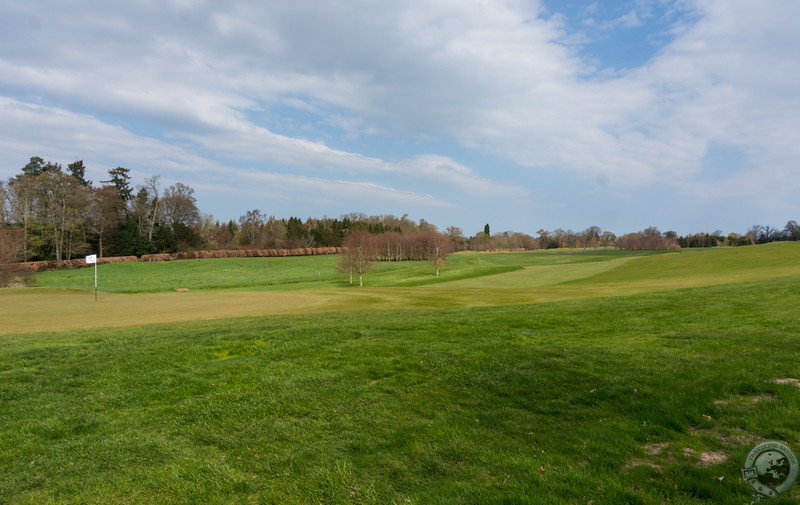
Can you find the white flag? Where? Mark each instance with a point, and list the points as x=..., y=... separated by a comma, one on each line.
x=91, y=259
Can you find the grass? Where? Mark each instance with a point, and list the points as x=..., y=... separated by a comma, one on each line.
x=710, y=266
x=539, y=275
x=132, y=293
x=302, y=272
x=615, y=399
x=199, y=274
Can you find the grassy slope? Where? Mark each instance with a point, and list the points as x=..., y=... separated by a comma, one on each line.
x=548, y=403
x=469, y=280
x=303, y=272
x=699, y=267
x=539, y=275
x=707, y=267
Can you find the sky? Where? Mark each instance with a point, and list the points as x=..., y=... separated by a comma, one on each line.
x=521, y=114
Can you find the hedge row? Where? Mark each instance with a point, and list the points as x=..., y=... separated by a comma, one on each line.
x=41, y=266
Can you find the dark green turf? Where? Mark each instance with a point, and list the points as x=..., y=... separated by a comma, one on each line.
x=613, y=400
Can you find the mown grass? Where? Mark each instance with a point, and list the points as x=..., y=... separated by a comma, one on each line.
x=303, y=272
x=715, y=266
x=647, y=383
x=545, y=403
x=199, y=274
x=468, y=280
x=472, y=270
x=654, y=272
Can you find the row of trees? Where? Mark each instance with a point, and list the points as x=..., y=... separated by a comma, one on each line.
x=48, y=212
x=362, y=249
x=61, y=215
x=256, y=229
x=652, y=238
x=649, y=238
x=715, y=239
x=762, y=234
x=593, y=236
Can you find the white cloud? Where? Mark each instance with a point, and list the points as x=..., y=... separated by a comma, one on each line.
x=628, y=20
x=444, y=171
x=281, y=186
x=68, y=134
x=60, y=135
x=726, y=77
x=199, y=82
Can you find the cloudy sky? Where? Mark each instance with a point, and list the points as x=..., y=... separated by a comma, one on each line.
x=525, y=114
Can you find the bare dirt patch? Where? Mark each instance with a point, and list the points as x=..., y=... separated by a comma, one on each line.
x=633, y=463
x=732, y=438
x=743, y=400
x=713, y=458
x=655, y=449
x=788, y=380
x=659, y=454
x=706, y=458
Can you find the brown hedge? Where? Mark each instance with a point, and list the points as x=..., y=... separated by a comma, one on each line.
x=242, y=253
x=41, y=266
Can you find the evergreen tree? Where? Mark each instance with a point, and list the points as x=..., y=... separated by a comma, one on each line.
x=121, y=181
x=129, y=242
x=78, y=170
x=296, y=233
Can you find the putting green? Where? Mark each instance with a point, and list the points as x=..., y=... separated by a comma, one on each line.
x=23, y=310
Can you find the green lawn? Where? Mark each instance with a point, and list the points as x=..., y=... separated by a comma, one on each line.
x=304, y=272
x=133, y=293
x=198, y=274
x=646, y=398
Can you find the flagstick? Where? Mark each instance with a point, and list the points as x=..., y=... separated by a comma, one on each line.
x=92, y=258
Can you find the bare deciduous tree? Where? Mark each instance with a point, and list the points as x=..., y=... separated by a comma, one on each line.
x=145, y=207
x=61, y=203
x=5, y=203
x=251, y=228
x=436, y=249
x=10, y=252
x=105, y=215
x=179, y=206
x=359, y=256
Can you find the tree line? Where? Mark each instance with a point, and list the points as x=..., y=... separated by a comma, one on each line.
x=52, y=213
x=48, y=212
x=362, y=249
x=652, y=238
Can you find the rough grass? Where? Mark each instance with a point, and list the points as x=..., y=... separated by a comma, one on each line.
x=641, y=399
